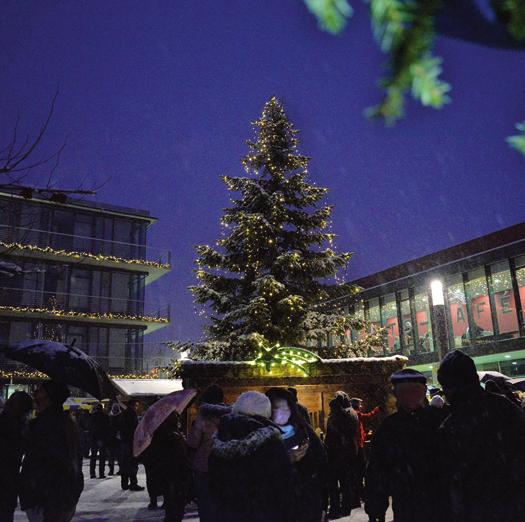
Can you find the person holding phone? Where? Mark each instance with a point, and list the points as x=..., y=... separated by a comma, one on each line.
x=307, y=454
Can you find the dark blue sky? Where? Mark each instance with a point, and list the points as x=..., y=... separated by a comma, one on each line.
x=157, y=96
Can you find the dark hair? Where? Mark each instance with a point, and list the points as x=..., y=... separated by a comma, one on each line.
x=57, y=392
x=23, y=399
x=296, y=420
x=293, y=393
x=213, y=394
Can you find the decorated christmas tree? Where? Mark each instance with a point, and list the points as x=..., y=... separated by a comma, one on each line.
x=276, y=262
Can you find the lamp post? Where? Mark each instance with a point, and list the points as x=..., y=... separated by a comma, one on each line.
x=440, y=321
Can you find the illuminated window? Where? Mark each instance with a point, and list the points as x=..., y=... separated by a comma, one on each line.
x=503, y=299
x=425, y=341
x=390, y=322
x=477, y=294
x=457, y=310
x=406, y=318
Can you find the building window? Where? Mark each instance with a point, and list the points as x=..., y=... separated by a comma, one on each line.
x=503, y=299
x=457, y=310
x=373, y=314
x=425, y=341
x=478, y=305
x=80, y=288
x=359, y=313
x=519, y=263
x=407, y=323
x=390, y=322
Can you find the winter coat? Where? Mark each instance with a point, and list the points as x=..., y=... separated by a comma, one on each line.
x=483, y=458
x=167, y=460
x=52, y=468
x=11, y=449
x=126, y=427
x=361, y=432
x=251, y=477
x=310, y=476
x=113, y=430
x=202, y=431
x=341, y=435
x=99, y=427
x=404, y=464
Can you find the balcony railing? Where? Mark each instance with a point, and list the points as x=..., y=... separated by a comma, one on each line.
x=70, y=306
x=43, y=243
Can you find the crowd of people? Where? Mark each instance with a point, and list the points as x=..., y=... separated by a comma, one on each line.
x=458, y=458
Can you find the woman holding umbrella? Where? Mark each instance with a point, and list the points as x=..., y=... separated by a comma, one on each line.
x=51, y=478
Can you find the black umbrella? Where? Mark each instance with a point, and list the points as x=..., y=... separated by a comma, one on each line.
x=63, y=363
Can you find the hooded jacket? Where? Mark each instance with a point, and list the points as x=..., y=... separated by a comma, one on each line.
x=341, y=433
x=482, y=446
x=251, y=476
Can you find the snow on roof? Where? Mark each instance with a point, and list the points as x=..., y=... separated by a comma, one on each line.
x=144, y=387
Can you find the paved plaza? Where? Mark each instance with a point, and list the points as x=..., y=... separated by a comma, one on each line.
x=103, y=501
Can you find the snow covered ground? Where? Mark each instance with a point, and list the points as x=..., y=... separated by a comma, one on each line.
x=103, y=501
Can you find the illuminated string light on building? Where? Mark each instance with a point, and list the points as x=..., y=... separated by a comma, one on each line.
x=71, y=314
x=83, y=255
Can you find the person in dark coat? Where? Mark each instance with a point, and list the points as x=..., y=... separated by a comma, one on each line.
x=306, y=452
x=84, y=425
x=341, y=446
x=404, y=461
x=303, y=410
x=99, y=439
x=200, y=440
x=12, y=424
x=51, y=477
x=251, y=476
x=482, y=448
x=113, y=438
x=167, y=460
x=128, y=463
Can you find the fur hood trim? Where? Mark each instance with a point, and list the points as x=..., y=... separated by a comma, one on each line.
x=239, y=448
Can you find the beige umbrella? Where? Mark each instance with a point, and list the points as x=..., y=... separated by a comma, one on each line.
x=156, y=414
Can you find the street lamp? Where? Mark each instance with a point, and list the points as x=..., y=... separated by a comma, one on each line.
x=436, y=287
x=440, y=321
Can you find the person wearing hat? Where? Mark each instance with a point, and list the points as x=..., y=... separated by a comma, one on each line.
x=250, y=472
x=51, y=477
x=403, y=456
x=482, y=448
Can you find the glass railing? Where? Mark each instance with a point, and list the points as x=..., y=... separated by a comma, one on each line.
x=70, y=305
x=57, y=243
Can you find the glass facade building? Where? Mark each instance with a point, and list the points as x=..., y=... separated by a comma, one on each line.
x=81, y=276
x=484, y=304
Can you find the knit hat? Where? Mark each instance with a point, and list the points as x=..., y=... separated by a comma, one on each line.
x=457, y=370
x=253, y=403
x=58, y=392
x=407, y=375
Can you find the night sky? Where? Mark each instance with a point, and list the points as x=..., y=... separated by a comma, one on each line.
x=157, y=97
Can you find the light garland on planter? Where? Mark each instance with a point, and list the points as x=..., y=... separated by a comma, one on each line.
x=84, y=255
x=83, y=315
